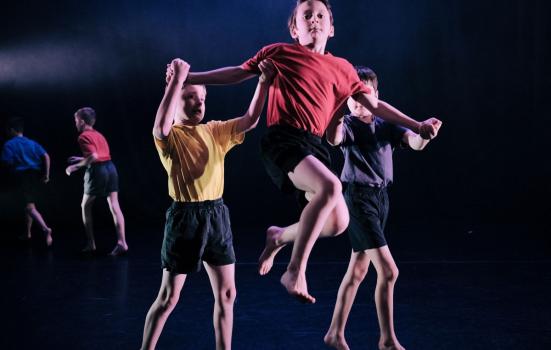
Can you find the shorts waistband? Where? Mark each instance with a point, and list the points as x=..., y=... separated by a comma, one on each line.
x=295, y=131
x=200, y=204
x=365, y=187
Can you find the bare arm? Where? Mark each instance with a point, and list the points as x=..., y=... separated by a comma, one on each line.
x=221, y=76
x=335, y=131
x=394, y=116
x=176, y=74
x=85, y=161
x=250, y=119
x=46, y=167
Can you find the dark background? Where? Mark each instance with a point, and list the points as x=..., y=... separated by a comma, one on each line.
x=479, y=191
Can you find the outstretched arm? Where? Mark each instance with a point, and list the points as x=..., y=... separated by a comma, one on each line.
x=221, y=76
x=250, y=119
x=393, y=115
x=415, y=141
x=176, y=74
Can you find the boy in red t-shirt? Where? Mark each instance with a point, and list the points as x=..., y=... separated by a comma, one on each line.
x=100, y=180
x=310, y=86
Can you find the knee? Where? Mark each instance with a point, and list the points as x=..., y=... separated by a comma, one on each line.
x=390, y=275
x=330, y=189
x=358, y=275
x=167, y=302
x=226, y=296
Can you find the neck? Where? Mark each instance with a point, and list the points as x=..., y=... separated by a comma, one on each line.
x=315, y=47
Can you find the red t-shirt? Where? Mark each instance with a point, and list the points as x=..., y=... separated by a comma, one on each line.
x=309, y=87
x=91, y=141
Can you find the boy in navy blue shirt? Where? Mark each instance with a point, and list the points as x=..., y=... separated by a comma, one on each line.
x=367, y=143
x=30, y=164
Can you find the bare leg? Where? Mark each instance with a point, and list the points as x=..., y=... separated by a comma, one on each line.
x=279, y=237
x=311, y=175
x=161, y=308
x=118, y=219
x=28, y=225
x=32, y=214
x=387, y=273
x=357, y=270
x=86, y=206
x=222, y=281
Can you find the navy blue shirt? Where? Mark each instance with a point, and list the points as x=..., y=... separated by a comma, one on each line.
x=21, y=153
x=367, y=150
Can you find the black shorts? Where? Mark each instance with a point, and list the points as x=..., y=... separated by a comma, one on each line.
x=101, y=178
x=283, y=147
x=195, y=232
x=30, y=185
x=368, y=208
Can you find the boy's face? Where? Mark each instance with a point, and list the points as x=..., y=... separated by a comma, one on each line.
x=193, y=104
x=312, y=23
x=357, y=108
x=79, y=123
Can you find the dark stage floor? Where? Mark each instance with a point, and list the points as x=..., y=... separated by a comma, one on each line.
x=54, y=299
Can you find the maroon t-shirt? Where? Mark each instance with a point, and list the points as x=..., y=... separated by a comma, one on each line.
x=91, y=141
x=309, y=87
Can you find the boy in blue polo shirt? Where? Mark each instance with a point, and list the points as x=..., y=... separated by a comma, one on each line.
x=31, y=166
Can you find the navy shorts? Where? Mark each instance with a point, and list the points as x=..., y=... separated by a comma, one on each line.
x=101, y=178
x=368, y=208
x=282, y=148
x=30, y=185
x=196, y=232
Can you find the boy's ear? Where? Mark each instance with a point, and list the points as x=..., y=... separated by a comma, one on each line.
x=293, y=32
x=332, y=32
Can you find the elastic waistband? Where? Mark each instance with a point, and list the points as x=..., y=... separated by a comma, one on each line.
x=200, y=204
x=295, y=131
x=365, y=187
x=94, y=164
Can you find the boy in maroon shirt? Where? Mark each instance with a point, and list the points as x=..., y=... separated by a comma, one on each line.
x=100, y=180
x=310, y=86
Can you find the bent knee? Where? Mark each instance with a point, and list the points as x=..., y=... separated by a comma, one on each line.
x=168, y=302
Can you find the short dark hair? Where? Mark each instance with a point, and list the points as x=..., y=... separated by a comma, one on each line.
x=16, y=124
x=87, y=114
x=293, y=17
x=367, y=74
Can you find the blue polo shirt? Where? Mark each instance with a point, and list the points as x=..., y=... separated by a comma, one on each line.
x=21, y=153
x=367, y=150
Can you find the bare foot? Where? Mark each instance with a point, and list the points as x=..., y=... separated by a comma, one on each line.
x=296, y=286
x=119, y=250
x=391, y=345
x=49, y=239
x=335, y=341
x=266, y=260
x=88, y=249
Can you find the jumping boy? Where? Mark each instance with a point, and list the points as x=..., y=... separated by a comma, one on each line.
x=30, y=165
x=100, y=180
x=197, y=228
x=367, y=143
x=310, y=86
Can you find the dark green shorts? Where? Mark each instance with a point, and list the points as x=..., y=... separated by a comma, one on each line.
x=196, y=232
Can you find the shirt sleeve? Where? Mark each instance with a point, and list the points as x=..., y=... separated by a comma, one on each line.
x=39, y=150
x=225, y=133
x=353, y=81
x=347, y=135
x=396, y=134
x=251, y=65
x=87, y=146
x=7, y=155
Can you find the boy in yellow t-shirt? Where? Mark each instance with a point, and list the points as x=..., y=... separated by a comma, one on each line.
x=197, y=225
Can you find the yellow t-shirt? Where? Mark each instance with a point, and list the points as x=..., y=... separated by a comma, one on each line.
x=193, y=157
